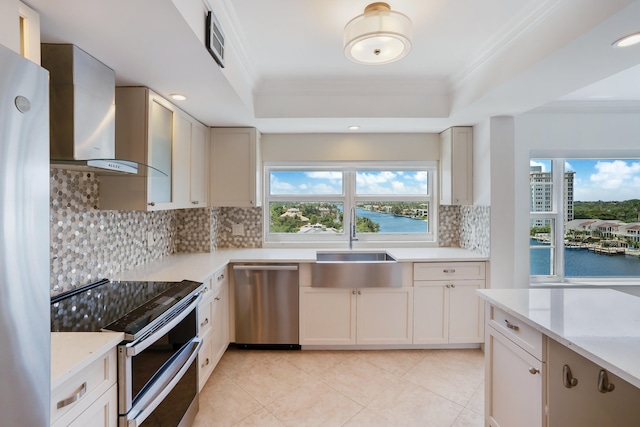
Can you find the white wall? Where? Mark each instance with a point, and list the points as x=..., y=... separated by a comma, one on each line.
x=595, y=135
x=10, y=24
x=350, y=147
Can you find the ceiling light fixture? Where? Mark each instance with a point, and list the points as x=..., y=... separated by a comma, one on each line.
x=627, y=41
x=178, y=97
x=378, y=36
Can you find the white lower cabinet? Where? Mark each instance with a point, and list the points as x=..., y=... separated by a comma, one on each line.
x=581, y=393
x=515, y=383
x=89, y=398
x=367, y=316
x=446, y=307
x=213, y=325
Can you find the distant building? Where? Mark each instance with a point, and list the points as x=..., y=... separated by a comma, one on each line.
x=541, y=197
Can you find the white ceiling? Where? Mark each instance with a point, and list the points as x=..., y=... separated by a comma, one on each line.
x=285, y=71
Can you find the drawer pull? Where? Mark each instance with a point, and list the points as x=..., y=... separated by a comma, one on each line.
x=220, y=277
x=76, y=396
x=451, y=270
x=206, y=362
x=604, y=386
x=511, y=325
x=217, y=298
x=205, y=322
x=533, y=370
x=567, y=377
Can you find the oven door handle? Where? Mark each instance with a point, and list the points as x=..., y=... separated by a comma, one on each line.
x=136, y=347
x=150, y=398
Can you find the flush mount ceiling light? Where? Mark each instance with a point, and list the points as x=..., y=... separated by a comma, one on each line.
x=178, y=97
x=626, y=41
x=378, y=36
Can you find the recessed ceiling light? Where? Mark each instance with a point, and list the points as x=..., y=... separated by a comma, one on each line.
x=627, y=41
x=178, y=97
x=354, y=127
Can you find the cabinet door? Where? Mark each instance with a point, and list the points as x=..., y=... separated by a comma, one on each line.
x=430, y=312
x=205, y=360
x=199, y=159
x=220, y=337
x=515, y=385
x=327, y=316
x=466, y=312
x=456, y=166
x=234, y=162
x=160, y=153
x=384, y=316
x=181, y=160
x=583, y=404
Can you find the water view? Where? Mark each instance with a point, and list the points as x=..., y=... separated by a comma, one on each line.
x=394, y=224
x=580, y=262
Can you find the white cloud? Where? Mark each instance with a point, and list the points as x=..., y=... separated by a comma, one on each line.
x=568, y=167
x=331, y=175
x=613, y=180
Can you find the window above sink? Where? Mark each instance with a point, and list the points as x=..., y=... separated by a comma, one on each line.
x=393, y=201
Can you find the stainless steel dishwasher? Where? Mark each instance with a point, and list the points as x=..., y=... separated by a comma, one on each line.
x=266, y=305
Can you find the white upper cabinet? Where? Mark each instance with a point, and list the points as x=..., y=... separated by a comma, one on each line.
x=199, y=171
x=235, y=167
x=152, y=131
x=456, y=166
x=29, y=33
x=146, y=127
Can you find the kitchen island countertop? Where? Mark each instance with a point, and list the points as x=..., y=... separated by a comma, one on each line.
x=602, y=325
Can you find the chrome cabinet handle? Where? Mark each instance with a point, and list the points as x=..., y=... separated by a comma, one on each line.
x=511, y=325
x=195, y=202
x=453, y=285
x=76, y=396
x=206, y=362
x=220, y=277
x=353, y=292
x=151, y=203
x=567, y=377
x=217, y=298
x=447, y=285
x=359, y=292
x=205, y=322
x=452, y=270
x=533, y=370
x=604, y=386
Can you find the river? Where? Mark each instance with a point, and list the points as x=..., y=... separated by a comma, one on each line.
x=394, y=224
x=584, y=263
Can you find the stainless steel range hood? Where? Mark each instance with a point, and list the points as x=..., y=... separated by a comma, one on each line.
x=82, y=111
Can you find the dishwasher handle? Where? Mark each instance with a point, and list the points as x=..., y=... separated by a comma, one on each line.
x=265, y=267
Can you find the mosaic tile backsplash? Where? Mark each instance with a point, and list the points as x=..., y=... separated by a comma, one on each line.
x=475, y=229
x=88, y=244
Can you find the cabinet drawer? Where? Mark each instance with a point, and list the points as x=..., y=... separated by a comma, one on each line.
x=83, y=388
x=205, y=315
x=449, y=271
x=219, y=279
x=528, y=338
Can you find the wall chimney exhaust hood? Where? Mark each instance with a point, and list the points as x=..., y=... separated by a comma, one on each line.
x=82, y=112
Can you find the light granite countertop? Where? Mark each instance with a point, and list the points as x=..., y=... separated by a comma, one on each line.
x=199, y=266
x=71, y=352
x=602, y=325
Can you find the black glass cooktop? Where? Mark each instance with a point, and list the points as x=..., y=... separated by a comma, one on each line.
x=116, y=306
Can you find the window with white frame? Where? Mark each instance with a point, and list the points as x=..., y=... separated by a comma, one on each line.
x=390, y=202
x=584, y=219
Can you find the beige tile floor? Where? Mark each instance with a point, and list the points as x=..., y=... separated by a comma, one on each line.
x=345, y=388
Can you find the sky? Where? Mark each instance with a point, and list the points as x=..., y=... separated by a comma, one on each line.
x=606, y=180
x=367, y=182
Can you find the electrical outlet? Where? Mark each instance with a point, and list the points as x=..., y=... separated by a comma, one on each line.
x=237, y=229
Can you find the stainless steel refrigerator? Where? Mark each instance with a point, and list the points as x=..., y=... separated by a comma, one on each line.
x=25, y=361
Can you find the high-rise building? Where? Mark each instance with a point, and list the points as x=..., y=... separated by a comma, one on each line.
x=541, y=198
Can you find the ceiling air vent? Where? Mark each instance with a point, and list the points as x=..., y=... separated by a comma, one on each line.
x=215, y=39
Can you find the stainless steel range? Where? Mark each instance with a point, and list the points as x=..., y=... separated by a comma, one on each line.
x=157, y=367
